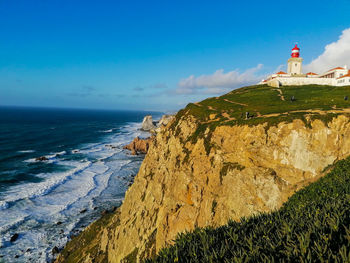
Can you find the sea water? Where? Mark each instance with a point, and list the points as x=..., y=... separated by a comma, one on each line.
x=85, y=172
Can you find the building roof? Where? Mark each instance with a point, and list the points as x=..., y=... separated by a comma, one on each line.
x=311, y=73
x=347, y=75
x=281, y=72
x=335, y=68
x=296, y=47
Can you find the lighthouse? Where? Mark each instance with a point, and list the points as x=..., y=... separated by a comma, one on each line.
x=295, y=62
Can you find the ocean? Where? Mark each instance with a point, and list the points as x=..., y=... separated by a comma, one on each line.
x=85, y=172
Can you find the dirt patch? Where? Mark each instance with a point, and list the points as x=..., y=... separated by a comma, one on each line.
x=321, y=112
x=280, y=94
x=233, y=102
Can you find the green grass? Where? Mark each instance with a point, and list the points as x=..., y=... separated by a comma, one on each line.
x=259, y=101
x=265, y=100
x=312, y=226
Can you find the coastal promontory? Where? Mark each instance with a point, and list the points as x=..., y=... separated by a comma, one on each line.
x=224, y=158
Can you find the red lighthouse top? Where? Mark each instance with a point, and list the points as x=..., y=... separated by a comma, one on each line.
x=295, y=52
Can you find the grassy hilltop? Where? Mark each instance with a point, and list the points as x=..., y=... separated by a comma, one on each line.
x=267, y=105
x=270, y=104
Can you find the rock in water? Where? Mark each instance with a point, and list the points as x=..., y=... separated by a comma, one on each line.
x=41, y=159
x=55, y=250
x=138, y=145
x=14, y=238
x=147, y=123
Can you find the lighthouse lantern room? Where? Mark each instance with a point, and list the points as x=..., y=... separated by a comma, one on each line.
x=295, y=62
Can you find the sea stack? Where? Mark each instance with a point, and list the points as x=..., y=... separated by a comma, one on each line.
x=147, y=123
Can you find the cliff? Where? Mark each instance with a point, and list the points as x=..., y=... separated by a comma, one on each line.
x=312, y=226
x=213, y=163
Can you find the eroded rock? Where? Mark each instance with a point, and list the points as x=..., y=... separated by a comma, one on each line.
x=41, y=159
x=165, y=120
x=138, y=145
x=148, y=124
x=14, y=237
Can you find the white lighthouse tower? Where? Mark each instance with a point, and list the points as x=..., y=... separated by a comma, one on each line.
x=295, y=62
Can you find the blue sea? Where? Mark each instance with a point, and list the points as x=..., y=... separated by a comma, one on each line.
x=85, y=172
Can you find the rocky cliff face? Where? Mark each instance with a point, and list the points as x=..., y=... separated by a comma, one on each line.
x=228, y=173
x=247, y=170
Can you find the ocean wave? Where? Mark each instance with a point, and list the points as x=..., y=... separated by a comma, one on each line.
x=60, y=153
x=107, y=131
x=26, y=151
x=48, y=158
x=98, y=179
x=3, y=205
x=11, y=223
x=31, y=190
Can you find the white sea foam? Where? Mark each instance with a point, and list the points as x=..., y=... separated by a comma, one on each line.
x=107, y=131
x=31, y=190
x=26, y=151
x=3, y=205
x=33, y=209
x=8, y=221
x=50, y=158
x=59, y=153
x=31, y=160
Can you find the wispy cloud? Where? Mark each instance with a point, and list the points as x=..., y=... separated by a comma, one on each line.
x=84, y=91
x=88, y=88
x=156, y=86
x=335, y=54
x=138, y=88
x=159, y=86
x=219, y=81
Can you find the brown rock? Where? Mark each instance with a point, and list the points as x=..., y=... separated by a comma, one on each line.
x=139, y=145
x=55, y=250
x=41, y=159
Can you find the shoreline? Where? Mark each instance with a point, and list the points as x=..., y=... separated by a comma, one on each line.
x=110, y=217
x=103, y=214
x=60, y=226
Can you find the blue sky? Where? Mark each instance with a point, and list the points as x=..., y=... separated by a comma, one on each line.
x=155, y=55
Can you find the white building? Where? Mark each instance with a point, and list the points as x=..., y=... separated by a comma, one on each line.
x=339, y=76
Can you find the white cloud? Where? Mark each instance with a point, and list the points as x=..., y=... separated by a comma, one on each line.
x=218, y=82
x=335, y=54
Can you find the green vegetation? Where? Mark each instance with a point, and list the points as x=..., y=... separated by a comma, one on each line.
x=264, y=100
x=265, y=105
x=88, y=241
x=230, y=166
x=131, y=257
x=312, y=226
